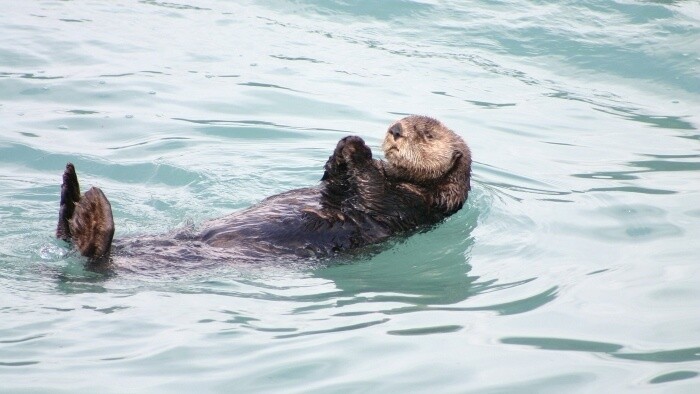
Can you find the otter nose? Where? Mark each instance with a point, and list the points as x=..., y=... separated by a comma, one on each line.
x=396, y=130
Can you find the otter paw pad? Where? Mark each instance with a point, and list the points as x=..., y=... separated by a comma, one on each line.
x=355, y=150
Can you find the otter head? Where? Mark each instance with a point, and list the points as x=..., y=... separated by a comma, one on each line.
x=422, y=148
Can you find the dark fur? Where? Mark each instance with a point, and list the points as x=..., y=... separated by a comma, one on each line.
x=360, y=201
x=86, y=220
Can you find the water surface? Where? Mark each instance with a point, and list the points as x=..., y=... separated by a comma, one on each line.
x=572, y=268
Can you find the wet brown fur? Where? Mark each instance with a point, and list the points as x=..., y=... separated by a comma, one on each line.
x=85, y=220
x=360, y=201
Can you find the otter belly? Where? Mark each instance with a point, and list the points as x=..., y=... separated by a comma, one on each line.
x=285, y=226
x=291, y=223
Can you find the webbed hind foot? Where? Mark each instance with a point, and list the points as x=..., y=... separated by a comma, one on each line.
x=85, y=220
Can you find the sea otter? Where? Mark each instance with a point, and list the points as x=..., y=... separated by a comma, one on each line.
x=360, y=201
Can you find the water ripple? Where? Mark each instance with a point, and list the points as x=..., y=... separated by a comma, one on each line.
x=183, y=111
x=614, y=350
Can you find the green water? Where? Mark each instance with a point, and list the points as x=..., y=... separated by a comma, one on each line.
x=572, y=268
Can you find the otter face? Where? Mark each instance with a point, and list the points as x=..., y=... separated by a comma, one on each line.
x=422, y=147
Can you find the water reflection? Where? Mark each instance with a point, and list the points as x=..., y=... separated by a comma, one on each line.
x=611, y=349
x=437, y=280
x=611, y=104
x=673, y=376
x=173, y=5
x=644, y=166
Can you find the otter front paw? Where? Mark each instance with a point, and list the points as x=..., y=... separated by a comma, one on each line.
x=353, y=150
x=350, y=151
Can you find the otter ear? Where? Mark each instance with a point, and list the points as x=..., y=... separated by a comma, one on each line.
x=456, y=155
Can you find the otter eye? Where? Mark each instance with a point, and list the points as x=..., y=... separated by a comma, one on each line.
x=428, y=136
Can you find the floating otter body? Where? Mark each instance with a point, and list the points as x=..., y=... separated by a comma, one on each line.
x=360, y=201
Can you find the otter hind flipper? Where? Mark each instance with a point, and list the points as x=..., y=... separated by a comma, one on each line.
x=85, y=220
x=92, y=225
x=70, y=195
